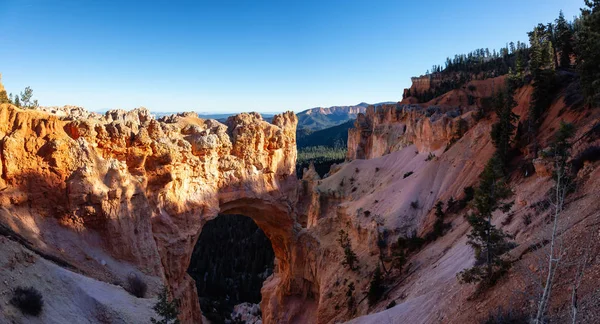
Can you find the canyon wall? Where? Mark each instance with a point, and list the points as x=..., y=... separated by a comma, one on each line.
x=389, y=128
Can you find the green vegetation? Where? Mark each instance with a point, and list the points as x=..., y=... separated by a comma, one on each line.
x=557, y=44
x=542, y=66
x=376, y=288
x=350, y=259
x=335, y=137
x=479, y=64
x=167, y=310
x=587, y=44
x=438, y=226
x=230, y=262
x=488, y=242
x=24, y=100
x=322, y=158
x=504, y=129
x=350, y=295
x=316, y=152
x=4, y=97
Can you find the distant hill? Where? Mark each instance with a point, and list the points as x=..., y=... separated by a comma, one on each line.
x=335, y=136
x=320, y=118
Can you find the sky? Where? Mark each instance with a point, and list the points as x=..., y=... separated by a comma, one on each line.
x=225, y=56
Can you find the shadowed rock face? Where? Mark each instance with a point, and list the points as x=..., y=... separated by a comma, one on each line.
x=147, y=186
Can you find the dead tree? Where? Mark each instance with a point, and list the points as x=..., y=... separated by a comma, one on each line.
x=562, y=186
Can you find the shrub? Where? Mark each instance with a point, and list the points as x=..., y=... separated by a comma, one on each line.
x=506, y=317
x=411, y=243
x=28, y=299
x=407, y=174
x=414, y=204
x=367, y=213
x=430, y=157
x=527, y=219
x=136, y=286
x=376, y=169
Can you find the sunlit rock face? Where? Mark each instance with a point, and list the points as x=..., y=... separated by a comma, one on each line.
x=147, y=186
x=390, y=128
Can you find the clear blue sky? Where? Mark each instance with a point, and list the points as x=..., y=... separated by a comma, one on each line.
x=251, y=55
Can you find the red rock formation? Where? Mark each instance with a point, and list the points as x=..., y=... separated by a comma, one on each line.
x=389, y=128
x=147, y=186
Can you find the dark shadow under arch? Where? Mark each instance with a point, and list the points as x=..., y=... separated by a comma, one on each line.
x=231, y=260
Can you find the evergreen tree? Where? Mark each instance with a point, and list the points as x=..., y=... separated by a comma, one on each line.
x=167, y=310
x=504, y=129
x=564, y=39
x=350, y=294
x=438, y=226
x=350, y=258
x=544, y=77
x=3, y=97
x=588, y=48
x=26, y=97
x=376, y=287
x=488, y=242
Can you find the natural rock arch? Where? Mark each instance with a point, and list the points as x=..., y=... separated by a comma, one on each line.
x=148, y=186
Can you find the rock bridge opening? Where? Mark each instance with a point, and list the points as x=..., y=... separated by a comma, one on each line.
x=231, y=260
x=239, y=258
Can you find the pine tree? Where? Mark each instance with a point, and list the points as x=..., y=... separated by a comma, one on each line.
x=3, y=97
x=564, y=38
x=26, y=97
x=438, y=226
x=588, y=48
x=350, y=294
x=350, y=258
x=503, y=130
x=488, y=242
x=167, y=310
x=376, y=287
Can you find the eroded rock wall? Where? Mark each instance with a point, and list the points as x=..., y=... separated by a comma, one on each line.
x=389, y=128
x=147, y=186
